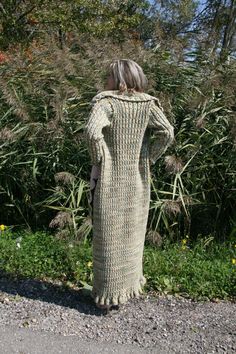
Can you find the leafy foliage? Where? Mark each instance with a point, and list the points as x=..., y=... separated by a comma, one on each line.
x=54, y=60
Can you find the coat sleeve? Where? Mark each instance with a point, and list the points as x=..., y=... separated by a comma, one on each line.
x=97, y=120
x=163, y=131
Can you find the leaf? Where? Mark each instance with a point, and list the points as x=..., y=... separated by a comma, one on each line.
x=166, y=281
x=86, y=286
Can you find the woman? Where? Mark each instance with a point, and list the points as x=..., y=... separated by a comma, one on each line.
x=118, y=133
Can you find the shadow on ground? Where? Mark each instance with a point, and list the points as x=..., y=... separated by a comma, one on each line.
x=42, y=290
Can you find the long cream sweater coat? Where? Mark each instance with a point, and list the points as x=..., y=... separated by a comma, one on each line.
x=118, y=137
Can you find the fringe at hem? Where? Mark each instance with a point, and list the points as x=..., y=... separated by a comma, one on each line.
x=120, y=297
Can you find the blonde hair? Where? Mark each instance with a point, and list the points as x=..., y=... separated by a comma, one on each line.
x=127, y=75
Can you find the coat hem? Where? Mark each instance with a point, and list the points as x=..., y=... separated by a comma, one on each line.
x=119, y=297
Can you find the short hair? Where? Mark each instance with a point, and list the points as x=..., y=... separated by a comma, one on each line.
x=128, y=75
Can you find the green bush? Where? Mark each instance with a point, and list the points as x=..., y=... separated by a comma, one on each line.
x=44, y=101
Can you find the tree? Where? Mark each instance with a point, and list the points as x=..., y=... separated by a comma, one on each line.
x=217, y=27
x=22, y=19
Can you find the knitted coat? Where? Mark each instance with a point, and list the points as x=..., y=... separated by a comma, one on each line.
x=118, y=138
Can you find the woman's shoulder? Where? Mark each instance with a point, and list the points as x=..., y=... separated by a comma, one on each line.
x=125, y=96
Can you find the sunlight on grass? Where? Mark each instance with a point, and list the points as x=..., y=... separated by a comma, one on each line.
x=201, y=270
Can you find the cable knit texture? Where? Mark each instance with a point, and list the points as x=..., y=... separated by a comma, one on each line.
x=125, y=133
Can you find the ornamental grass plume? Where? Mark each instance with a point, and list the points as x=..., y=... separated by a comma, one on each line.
x=10, y=95
x=53, y=127
x=172, y=207
x=61, y=220
x=154, y=238
x=6, y=135
x=64, y=178
x=186, y=199
x=63, y=234
x=200, y=122
x=173, y=164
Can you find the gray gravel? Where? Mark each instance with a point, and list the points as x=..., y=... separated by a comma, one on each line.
x=163, y=324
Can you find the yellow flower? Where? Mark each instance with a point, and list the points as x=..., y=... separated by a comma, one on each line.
x=184, y=241
x=233, y=260
x=183, y=247
x=89, y=264
x=2, y=227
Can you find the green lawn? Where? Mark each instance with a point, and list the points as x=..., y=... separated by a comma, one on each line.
x=201, y=270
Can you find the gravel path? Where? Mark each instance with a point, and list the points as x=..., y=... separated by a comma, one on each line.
x=163, y=324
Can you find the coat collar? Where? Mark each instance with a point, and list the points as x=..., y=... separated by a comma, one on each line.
x=126, y=96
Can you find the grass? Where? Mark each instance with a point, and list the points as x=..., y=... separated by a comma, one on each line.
x=41, y=255
x=201, y=270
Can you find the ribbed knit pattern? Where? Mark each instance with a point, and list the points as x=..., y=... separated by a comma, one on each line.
x=118, y=137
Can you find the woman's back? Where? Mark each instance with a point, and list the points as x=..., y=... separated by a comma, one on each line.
x=125, y=134
x=124, y=122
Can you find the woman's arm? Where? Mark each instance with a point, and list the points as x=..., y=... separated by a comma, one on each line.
x=98, y=119
x=163, y=131
x=95, y=172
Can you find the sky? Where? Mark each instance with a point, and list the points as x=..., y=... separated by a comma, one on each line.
x=200, y=7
